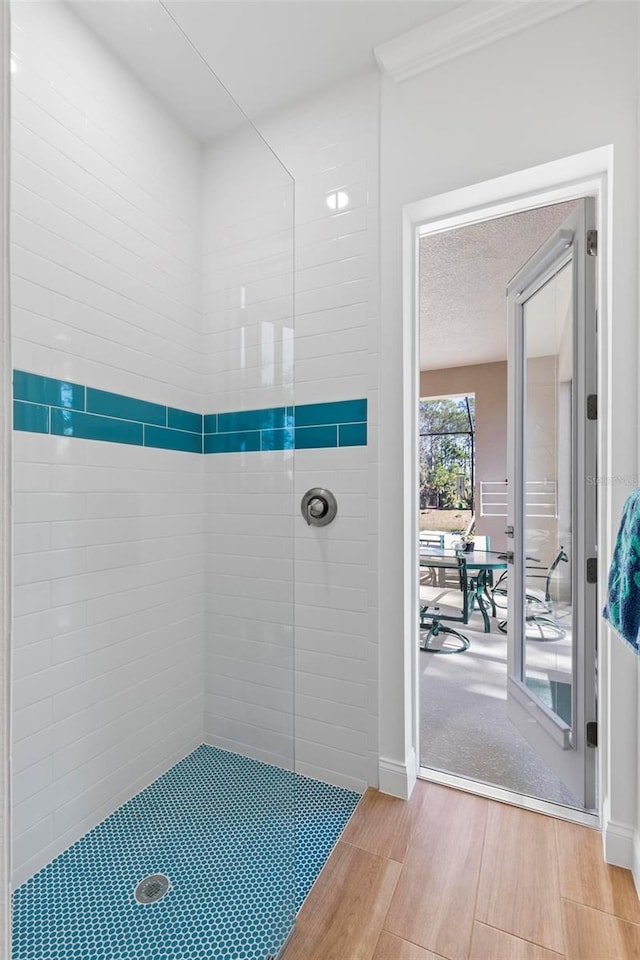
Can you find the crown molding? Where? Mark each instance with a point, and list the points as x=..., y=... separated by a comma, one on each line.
x=473, y=25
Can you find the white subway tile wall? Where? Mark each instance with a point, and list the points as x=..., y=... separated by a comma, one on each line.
x=155, y=597
x=105, y=225
x=330, y=146
x=108, y=561
x=247, y=267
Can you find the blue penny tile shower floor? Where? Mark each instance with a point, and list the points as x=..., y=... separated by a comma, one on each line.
x=240, y=841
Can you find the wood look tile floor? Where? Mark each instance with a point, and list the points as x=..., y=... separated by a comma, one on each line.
x=451, y=876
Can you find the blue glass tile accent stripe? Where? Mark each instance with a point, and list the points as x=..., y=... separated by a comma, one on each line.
x=211, y=423
x=241, y=842
x=241, y=442
x=125, y=408
x=91, y=414
x=87, y=426
x=352, y=435
x=278, y=439
x=308, y=438
x=168, y=439
x=274, y=418
x=342, y=411
x=184, y=420
x=30, y=417
x=46, y=390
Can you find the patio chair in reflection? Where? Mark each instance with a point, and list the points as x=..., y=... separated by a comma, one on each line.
x=542, y=624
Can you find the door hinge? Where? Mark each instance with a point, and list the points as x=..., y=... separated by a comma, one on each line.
x=592, y=570
x=592, y=243
x=592, y=733
x=592, y=406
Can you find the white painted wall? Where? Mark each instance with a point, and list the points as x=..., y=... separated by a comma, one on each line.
x=519, y=102
x=108, y=538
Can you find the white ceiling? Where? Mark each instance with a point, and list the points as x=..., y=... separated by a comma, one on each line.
x=463, y=278
x=267, y=53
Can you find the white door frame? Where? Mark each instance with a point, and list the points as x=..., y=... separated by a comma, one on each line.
x=585, y=174
x=6, y=419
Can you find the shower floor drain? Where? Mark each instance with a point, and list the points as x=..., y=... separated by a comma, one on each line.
x=152, y=888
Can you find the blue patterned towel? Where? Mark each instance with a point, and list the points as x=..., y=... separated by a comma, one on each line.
x=623, y=603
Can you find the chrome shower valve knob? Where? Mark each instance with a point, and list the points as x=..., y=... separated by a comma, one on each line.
x=319, y=507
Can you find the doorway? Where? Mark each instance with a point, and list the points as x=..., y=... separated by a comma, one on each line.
x=507, y=708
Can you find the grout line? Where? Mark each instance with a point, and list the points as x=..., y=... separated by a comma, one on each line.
x=140, y=188
x=480, y=869
x=430, y=953
x=418, y=813
x=565, y=939
x=159, y=698
x=605, y=913
x=111, y=265
x=386, y=860
x=517, y=936
x=382, y=930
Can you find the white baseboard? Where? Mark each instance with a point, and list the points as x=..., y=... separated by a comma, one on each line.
x=397, y=779
x=619, y=842
x=635, y=864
